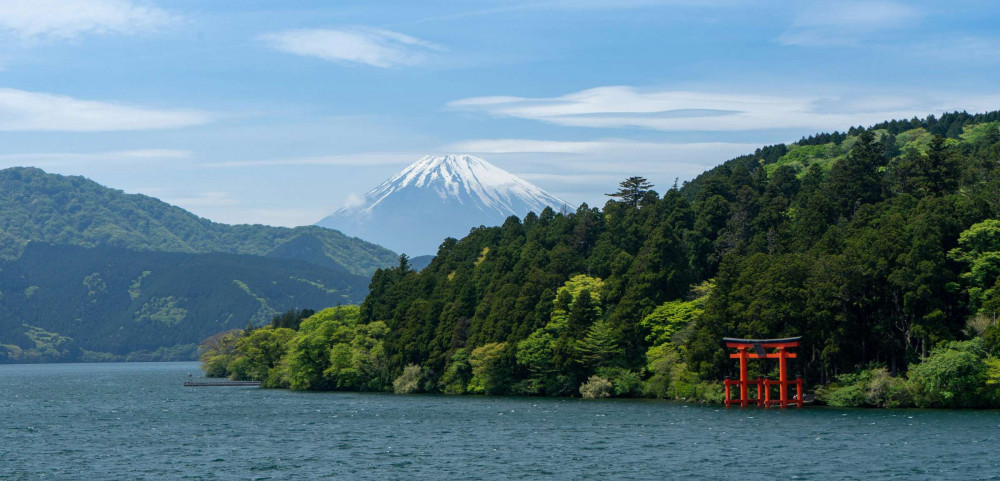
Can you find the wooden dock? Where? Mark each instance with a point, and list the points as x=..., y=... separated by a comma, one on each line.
x=223, y=383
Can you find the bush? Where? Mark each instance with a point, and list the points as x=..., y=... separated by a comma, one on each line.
x=953, y=376
x=624, y=383
x=871, y=387
x=409, y=381
x=596, y=387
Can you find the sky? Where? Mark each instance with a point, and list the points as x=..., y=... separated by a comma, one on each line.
x=280, y=112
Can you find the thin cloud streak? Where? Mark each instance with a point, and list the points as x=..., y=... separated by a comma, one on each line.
x=346, y=160
x=609, y=146
x=21, y=111
x=143, y=156
x=826, y=24
x=67, y=19
x=683, y=111
x=360, y=45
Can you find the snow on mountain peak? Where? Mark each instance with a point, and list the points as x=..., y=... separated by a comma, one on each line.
x=439, y=196
x=462, y=176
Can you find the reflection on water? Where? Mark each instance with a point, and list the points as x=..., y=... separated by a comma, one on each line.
x=137, y=421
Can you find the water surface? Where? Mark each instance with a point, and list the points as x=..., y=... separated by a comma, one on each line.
x=137, y=421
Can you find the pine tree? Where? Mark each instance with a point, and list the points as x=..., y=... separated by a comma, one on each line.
x=632, y=190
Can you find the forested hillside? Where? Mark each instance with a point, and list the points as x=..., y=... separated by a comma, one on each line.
x=36, y=206
x=69, y=303
x=878, y=246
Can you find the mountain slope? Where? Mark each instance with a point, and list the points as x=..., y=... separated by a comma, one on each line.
x=36, y=206
x=436, y=197
x=878, y=247
x=57, y=300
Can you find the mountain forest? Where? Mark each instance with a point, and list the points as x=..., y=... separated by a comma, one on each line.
x=89, y=273
x=880, y=246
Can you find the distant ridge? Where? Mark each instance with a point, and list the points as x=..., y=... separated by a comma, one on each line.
x=73, y=210
x=436, y=197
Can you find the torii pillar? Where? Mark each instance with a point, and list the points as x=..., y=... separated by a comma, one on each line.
x=760, y=346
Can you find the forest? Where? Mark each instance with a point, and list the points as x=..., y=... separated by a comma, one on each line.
x=63, y=303
x=71, y=210
x=880, y=246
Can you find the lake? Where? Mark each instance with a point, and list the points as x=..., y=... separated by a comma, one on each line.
x=137, y=421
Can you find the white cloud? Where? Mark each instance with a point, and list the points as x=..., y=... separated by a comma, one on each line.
x=667, y=110
x=370, y=46
x=33, y=111
x=607, y=146
x=59, y=159
x=847, y=23
x=64, y=19
x=345, y=160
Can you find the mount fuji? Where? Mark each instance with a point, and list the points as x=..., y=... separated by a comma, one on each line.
x=436, y=197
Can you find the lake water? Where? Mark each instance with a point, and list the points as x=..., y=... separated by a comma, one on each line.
x=137, y=421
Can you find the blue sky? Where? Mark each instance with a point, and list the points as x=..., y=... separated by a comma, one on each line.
x=278, y=112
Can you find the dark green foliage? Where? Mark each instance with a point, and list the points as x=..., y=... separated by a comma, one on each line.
x=835, y=253
x=117, y=301
x=632, y=191
x=291, y=318
x=867, y=244
x=36, y=206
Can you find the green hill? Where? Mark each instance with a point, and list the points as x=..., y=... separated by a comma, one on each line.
x=879, y=246
x=65, y=303
x=36, y=206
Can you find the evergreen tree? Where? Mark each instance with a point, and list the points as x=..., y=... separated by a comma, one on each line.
x=632, y=191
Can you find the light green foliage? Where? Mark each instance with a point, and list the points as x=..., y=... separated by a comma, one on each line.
x=44, y=346
x=489, y=371
x=456, y=377
x=315, y=284
x=672, y=316
x=954, y=376
x=918, y=140
x=801, y=157
x=164, y=310
x=258, y=355
x=95, y=285
x=599, y=347
x=979, y=250
x=670, y=377
x=409, y=381
x=536, y=352
x=596, y=387
x=135, y=288
x=218, y=351
x=334, y=350
x=30, y=291
x=575, y=338
x=993, y=374
x=571, y=290
x=979, y=132
x=958, y=374
x=264, y=313
x=624, y=382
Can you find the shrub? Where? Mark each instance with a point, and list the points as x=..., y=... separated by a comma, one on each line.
x=624, y=383
x=953, y=376
x=596, y=387
x=409, y=381
x=870, y=387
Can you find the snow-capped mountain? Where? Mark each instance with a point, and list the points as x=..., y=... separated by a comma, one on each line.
x=436, y=197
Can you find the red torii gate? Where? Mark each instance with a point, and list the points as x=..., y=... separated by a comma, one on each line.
x=759, y=347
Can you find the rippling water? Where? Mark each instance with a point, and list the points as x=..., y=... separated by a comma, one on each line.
x=137, y=421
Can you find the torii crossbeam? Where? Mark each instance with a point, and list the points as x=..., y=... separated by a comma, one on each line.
x=759, y=349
